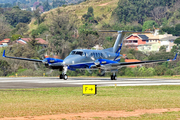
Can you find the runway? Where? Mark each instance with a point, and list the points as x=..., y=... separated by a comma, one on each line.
x=40, y=82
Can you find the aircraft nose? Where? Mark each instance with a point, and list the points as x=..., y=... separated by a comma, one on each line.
x=70, y=60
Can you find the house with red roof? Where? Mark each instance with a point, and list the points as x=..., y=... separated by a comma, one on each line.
x=133, y=40
x=5, y=42
x=40, y=41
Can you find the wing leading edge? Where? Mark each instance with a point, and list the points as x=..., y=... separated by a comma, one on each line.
x=123, y=64
x=27, y=59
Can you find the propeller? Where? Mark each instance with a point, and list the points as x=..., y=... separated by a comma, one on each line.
x=98, y=65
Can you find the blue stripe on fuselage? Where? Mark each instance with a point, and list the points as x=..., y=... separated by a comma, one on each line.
x=119, y=48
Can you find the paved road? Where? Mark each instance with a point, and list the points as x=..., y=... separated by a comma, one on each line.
x=39, y=82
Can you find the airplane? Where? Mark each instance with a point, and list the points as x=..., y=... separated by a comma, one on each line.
x=106, y=60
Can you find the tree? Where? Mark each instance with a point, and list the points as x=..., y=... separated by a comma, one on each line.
x=16, y=16
x=41, y=28
x=16, y=8
x=5, y=67
x=129, y=11
x=177, y=41
x=37, y=15
x=160, y=70
x=162, y=49
x=21, y=28
x=46, y=6
x=177, y=29
x=4, y=28
x=61, y=30
x=89, y=17
x=90, y=11
x=56, y=3
x=149, y=25
x=33, y=42
x=16, y=37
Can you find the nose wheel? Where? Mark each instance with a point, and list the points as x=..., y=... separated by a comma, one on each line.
x=63, y=76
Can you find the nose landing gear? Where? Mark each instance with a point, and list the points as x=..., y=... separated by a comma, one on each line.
x=63, y=75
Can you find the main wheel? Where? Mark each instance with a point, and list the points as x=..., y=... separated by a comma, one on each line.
x=61, y=76
x=115, y=77
x=112, y=78
x=65, y=77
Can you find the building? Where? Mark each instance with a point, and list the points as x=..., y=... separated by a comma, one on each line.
x=133, y=40
x=150, y=42
x=168, y=42
x=149, y=47
x=40, y=41
x=98, y=47
x=5, y=42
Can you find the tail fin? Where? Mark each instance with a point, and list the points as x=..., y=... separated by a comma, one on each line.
x=119, y=40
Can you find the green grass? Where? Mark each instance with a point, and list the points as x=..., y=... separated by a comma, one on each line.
x=47, y=101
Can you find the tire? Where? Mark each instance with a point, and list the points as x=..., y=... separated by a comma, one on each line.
x=61, y=76
x=112, y=78
x=115, y=77
x=65, y=77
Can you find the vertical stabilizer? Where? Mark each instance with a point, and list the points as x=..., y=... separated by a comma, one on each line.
x=119, y=41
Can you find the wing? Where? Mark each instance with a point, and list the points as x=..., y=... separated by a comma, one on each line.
x=123, y=64
x=27, y=59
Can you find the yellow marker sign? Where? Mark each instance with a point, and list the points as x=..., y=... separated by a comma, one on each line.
x=89, y=89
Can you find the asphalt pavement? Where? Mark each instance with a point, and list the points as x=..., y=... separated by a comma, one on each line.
x=40, y=82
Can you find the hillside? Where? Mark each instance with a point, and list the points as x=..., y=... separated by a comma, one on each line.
x=32, y=1
x=102, y=9
x=125, y=13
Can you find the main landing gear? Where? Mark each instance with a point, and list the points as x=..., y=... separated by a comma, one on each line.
x=113, y=76
x=63, y=76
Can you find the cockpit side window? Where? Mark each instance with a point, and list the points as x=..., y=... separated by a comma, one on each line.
x=79, y=53
x=73, y=52
x=76, y=53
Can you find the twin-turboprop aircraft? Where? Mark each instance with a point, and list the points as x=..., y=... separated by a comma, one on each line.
x=106, y=60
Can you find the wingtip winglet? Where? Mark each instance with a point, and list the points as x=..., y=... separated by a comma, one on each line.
x=175, y=57
x=4, y=53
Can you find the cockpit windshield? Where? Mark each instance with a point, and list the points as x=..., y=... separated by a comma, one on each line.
x=76, y=53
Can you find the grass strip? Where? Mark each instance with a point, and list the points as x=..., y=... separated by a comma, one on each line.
x=49, y=101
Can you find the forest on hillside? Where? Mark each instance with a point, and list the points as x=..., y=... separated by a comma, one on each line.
x=66, y=31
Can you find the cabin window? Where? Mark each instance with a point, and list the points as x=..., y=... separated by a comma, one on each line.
x=102, y=55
